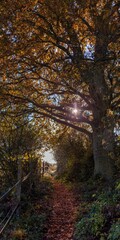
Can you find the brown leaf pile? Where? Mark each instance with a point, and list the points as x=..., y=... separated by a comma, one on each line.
x=62, y=220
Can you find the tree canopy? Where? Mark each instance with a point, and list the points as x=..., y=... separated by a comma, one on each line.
x=59, y=60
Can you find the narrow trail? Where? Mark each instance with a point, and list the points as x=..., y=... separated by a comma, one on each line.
x=62, y=220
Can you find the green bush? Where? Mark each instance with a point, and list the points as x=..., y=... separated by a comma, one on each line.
x=82, y=229
x=99, y=216
x=91, y=224
x=31, y=227
x=34, y=226
x=114, y=233
x=74, y=158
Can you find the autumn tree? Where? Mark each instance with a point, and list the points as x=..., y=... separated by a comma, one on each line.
x=61, y=61
x=19, y=141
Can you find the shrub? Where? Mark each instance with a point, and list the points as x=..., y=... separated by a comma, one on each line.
x=91, y=224
x=114, y=233
x=35, y=226
x=82, y=230
x=29, y=228
x=99, y=216
x=73, y=155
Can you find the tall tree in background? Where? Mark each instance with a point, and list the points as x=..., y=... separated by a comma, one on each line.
x=61, y=61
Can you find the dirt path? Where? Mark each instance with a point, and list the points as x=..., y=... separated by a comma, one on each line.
x=61, y=223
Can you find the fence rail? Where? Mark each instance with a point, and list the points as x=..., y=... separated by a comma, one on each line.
x=13, y=209
x=17, y=183
x=9, y=218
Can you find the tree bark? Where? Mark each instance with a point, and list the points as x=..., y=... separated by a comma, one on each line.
x=103, y=150
x=103, y=124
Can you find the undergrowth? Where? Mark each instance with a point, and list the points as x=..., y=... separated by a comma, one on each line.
x=34, y=213
x=99, y=213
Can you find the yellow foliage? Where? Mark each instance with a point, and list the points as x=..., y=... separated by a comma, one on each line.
x=18, y=234
x=110, y=113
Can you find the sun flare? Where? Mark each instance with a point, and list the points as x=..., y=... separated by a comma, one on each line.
x=75, y=111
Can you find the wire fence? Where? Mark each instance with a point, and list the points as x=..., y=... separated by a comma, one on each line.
x=4, y=223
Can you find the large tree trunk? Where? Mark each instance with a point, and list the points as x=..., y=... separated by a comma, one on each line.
x=103, y=125
x=103, y=150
